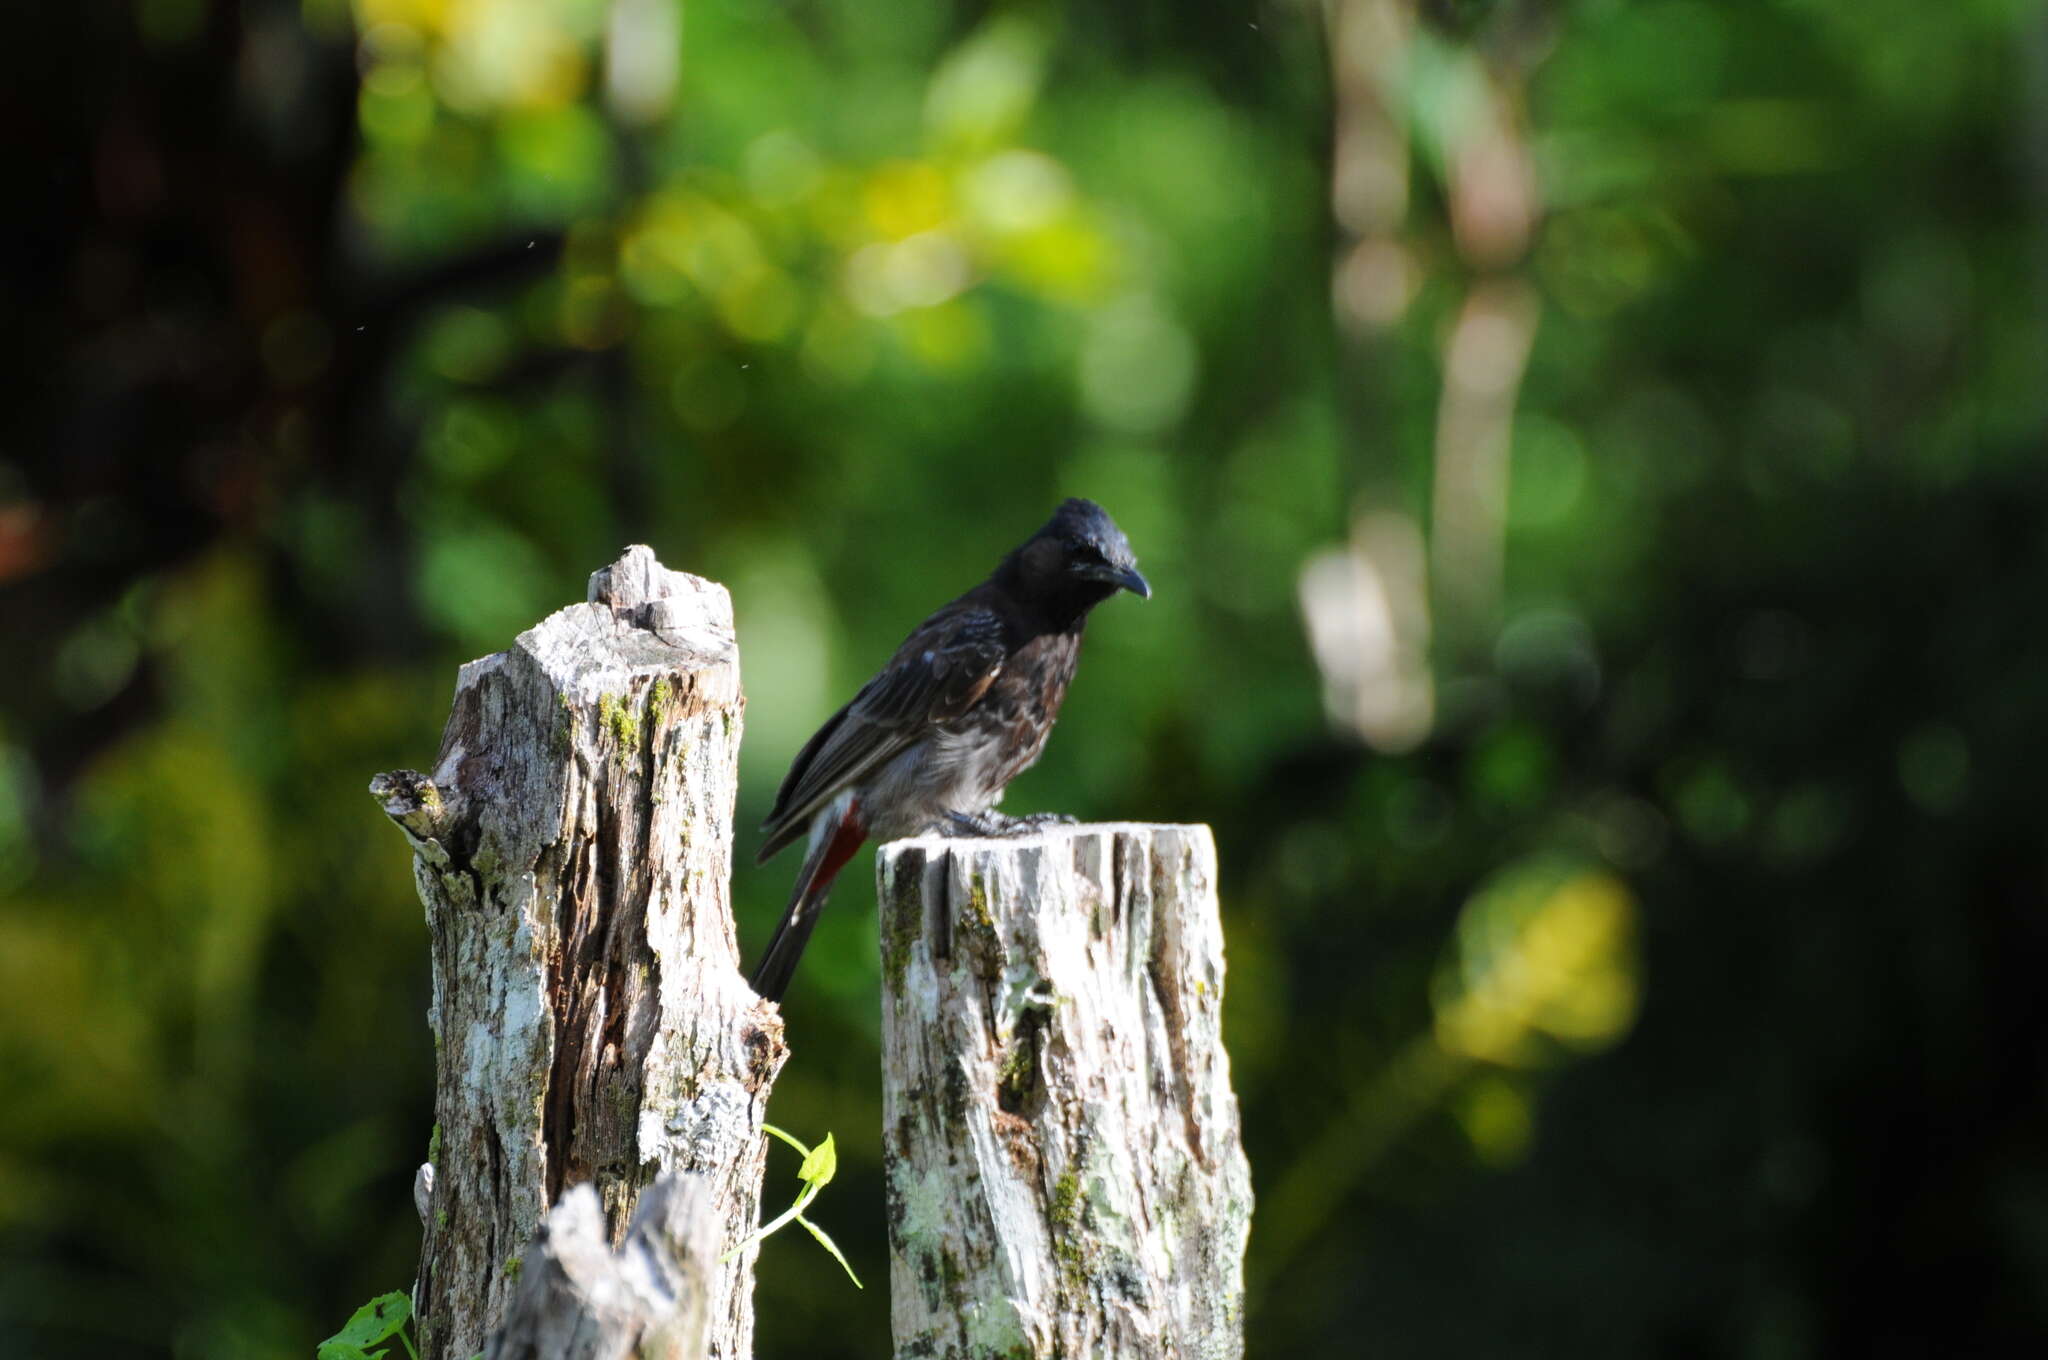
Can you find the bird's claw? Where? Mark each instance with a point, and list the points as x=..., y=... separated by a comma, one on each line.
x=996, y=824
x=966, y=824
x=1038, y=821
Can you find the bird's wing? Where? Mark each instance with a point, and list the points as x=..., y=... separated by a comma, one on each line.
x=941, y=670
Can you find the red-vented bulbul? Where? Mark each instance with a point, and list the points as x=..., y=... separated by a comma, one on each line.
x=963, y=708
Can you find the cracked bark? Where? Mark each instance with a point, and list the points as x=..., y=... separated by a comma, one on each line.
x=573, y=849
x=1065, y=1175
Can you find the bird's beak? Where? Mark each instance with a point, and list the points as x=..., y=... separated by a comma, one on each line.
x=1123, y=578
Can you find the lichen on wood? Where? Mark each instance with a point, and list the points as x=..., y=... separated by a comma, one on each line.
x=1065, y=1175
x=573, y=848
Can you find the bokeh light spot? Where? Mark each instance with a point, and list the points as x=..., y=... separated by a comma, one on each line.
x=1934, y=767
x=1544, y=951
x=1137, y=367
x=906, y=197
x=1018, y=190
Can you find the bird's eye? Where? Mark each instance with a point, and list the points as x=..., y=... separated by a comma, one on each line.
x=1088, y=553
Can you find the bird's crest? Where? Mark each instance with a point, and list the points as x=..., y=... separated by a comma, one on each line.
x=1079, y=520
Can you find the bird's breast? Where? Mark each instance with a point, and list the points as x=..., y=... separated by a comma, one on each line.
x=1015, y=717
x=966, y=762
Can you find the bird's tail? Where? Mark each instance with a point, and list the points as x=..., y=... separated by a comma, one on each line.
x=836, y=832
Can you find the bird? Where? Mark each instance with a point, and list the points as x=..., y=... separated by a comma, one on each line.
x=962, y=708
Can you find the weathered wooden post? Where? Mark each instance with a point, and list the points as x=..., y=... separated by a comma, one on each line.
x=573, y=847
x=1064, y=1170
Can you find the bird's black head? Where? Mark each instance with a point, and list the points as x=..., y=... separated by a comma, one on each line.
x=1078, y=560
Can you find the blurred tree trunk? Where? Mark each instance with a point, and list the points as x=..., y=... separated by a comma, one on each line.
x=1064, y=1169
x=573, y=848
x=205, y=342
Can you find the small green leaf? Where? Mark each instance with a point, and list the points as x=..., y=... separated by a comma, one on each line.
x=829, y=1245
x=821, y=1163
x=341, y=1350
x=376, y=1320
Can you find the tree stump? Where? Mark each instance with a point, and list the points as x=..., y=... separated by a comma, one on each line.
x=573, y=848
x=1064, y=1169
x=577, y=1299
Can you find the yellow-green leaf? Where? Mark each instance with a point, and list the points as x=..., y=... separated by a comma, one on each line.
x=821, y=1163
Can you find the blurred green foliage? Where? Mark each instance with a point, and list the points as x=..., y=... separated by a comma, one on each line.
x=1677, y=993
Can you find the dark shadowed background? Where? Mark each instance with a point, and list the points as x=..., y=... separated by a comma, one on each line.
x=1590, y=458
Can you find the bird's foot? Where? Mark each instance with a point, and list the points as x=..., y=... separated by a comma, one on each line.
x=1039, y=821
x=993, y=823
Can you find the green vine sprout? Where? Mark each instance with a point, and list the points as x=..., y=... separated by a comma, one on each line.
x=378, y=1320
x=820, y=1164
x=384, y=1317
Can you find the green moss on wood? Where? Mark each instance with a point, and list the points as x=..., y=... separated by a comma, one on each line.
x=1017, y=1072
x=1070, y=1245
x=977, y=928
x=1067, y=1199
x=902, y=921
x=560, y=739
x=957, y=1095
x=616, y=717
x=1014, y=1075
